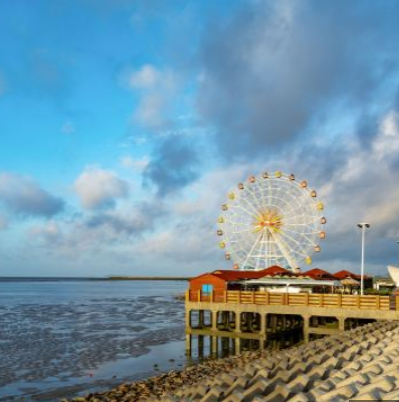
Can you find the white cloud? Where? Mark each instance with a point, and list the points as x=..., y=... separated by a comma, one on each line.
x=99, y=188
x=136, y=164
x=50, y=232
x=157, y=89
x=146, y=77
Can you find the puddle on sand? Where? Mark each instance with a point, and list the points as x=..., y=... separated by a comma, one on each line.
x=169, y=356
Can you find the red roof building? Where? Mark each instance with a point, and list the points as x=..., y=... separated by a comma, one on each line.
x=368, y=280
x=223, y=279
x=347, y=274
x=317, y=273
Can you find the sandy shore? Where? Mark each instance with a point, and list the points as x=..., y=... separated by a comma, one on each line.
x=173, y=380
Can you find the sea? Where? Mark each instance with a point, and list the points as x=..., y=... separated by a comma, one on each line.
x=61, y=338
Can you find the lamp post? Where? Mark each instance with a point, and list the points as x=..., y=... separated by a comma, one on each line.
x=363, y=226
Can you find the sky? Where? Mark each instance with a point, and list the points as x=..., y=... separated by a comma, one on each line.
x=124, y=124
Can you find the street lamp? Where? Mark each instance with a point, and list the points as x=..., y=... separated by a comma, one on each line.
x=363, y=226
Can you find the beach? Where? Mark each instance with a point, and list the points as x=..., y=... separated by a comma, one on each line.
x=63, y=338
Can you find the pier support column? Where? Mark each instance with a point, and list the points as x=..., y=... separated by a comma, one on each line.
x=200, y=345
x=214, y=317
x=201, y=319
x=238, y=322
x=188, y=319
x=214, y=345
x=306, y=329
x=263, y=338
x=237, y=342
x=188, y=343
x=341, y=323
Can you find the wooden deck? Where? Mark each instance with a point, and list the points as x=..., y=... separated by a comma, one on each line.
x=323, y=300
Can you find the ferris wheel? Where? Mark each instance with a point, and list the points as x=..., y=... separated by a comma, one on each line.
x=272, y=219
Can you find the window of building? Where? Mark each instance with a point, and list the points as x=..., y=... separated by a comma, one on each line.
x=207, y=289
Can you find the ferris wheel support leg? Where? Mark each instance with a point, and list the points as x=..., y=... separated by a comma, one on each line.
x=287, y=256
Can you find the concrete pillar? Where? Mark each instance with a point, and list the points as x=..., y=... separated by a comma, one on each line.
x=238, y=322
x=262, y=332
x=188, y=343
x=214, y=345
x=237, y=345
x=200, y=345
x=200, y=318
x=263, y=324
x=306, y=328
x=341, y=323
x=214, y=318
x=226, y=320
x=188, y=319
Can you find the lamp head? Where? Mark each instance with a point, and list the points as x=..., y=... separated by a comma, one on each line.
x=363, y=224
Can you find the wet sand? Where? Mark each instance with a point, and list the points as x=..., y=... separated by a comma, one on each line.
x=50, y=351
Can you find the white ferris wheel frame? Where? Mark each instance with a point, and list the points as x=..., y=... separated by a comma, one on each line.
x=294, y=223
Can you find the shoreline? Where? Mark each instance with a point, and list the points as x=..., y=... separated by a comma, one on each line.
x=358, y=364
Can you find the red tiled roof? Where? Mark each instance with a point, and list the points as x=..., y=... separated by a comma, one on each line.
x=347, y=274
x=233, y=275
x=317, y=273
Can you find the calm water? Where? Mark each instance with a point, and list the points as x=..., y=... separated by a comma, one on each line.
x=60, y=338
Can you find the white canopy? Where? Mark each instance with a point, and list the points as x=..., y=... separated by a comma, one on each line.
x=292, y=282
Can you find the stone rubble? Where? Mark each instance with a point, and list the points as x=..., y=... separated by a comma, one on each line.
x=361, y=364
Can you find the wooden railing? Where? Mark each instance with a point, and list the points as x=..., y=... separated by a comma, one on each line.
x=372, y=302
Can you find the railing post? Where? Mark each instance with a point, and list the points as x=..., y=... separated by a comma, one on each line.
x=267, y=298
x=253, y=297
x=378, y=302
x=339, y=300
x=307, y=299
x=199, y=295
x=211, y=296
x=321, y=300
x=397, y=302
x=358, y=301
x=239, y=296
x=187, y=295
x=225, y=296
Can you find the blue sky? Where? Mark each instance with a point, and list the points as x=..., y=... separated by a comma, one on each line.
x=123, y=124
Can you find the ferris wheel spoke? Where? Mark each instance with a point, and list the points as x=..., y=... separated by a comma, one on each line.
x=252, y=249
x=243, y=231
x=295, y=241
x=255, y=199
x=302, y=216
x=284, y=251
x=303, y=235
x=256, y=213
x=237, y=223
x=244, y=209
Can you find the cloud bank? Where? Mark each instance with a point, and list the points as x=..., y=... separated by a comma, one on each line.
x=22, y=196
x=99, y=188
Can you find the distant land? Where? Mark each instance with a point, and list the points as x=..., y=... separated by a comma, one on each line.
x=148, y=278
x=108, y=278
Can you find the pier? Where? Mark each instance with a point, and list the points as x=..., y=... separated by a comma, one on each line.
x=260, y=319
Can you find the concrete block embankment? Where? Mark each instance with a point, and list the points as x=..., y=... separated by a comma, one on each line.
x=361, y=364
